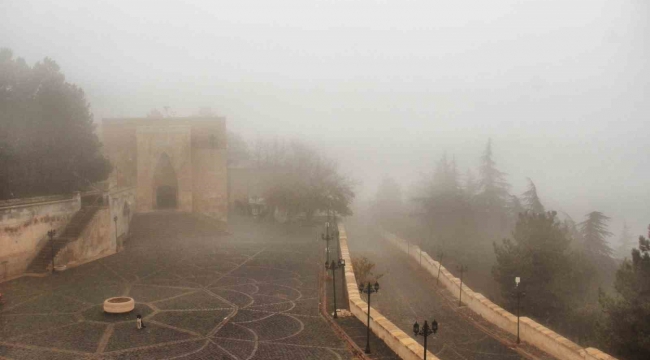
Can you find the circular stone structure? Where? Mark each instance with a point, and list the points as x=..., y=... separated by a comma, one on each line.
x=119, y=305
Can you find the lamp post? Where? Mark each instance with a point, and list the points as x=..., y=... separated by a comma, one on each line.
x=369, y=289
x=327, y=237
x=115, y=220
x=519, y=294
x=51, y=234
x=462, y=269
x=440, y=255
x=335, y=266
x=425, y=331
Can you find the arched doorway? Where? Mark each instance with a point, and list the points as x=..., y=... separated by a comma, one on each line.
x=165, y=184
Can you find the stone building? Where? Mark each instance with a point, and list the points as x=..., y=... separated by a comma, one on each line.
x=174, y=163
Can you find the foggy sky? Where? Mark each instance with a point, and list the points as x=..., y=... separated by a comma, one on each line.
x=561, y=87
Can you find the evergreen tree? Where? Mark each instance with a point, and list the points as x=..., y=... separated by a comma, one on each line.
x=471, y=186
x=493, y=187
x=626, y=331
x=531, y=200
x=626, y=241
x=539, y=253
x=594, y=235
x=48, y=143
x=515, y=207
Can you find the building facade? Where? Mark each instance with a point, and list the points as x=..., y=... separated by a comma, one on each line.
x=174, y=163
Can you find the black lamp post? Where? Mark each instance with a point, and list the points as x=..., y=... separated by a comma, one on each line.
x=51, y=234
x=425, y=331
x=440, y=255
x=115, y=219
x=335, y=266
x=327, y=237
x=462, y=269
x=519, y=295
x=369, y=289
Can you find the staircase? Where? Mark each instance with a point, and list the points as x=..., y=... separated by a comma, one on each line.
x=43, y=260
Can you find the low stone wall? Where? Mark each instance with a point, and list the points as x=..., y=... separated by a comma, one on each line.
x=24, y=224
x=400, y=342
x=530, y=331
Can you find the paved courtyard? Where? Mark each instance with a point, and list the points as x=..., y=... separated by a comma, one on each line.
x=203, y=295
x=410, y=294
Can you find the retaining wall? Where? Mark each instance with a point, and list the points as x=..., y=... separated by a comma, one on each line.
x=24, y=224
x=400, y=342
x=530, y=331
x=104, y=235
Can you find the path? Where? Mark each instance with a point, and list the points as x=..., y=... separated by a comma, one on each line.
x=410, y=294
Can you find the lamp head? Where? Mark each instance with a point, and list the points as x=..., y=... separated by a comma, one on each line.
x=517, y=280
x=341, y=262
x=416, y=328
x=376, y=286
x=361, y=287
x=434, y=326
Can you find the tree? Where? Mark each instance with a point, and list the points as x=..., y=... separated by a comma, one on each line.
x=304, y=182
x=46, y=130
x=531, y=200
x=492, y=184
x=594, y=235
x=237, y=149
x=445, y=209
x=539, y=253
x=471, y=186
x=626, y=331
x=626, y=242
x=388, y=200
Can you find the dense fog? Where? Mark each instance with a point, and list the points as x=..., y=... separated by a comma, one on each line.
x=560, y=86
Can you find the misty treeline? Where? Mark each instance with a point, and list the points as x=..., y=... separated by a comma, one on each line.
x=573, y=281
x=47, y=139
x=299, y=181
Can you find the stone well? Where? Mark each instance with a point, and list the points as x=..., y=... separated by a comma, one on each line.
x=119, y=305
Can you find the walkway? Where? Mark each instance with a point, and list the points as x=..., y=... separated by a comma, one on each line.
x=203, y=295
x=410, y=294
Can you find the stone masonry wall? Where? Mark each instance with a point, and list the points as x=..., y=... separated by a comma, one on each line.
x=24, y=224
x=99, y=238
x=530, y=331
x=400, y=342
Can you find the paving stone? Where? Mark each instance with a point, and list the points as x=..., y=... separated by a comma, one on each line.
x=315, y=332
x=201, y=322
x=231, y=330
x=15, y=352
x=230, y=281
x=235, y=297
x=144, y=293
x=278, y=307
x=158, y=352
x=16, y=325
x=246, y=316
x=96, y=313
x=275, y=327
x=308, y=307
x=270, y=351
x=48, y=303
x=242, y=349
x=82, y=336
x=95, y=294
x=125, y=336
x=197, y=301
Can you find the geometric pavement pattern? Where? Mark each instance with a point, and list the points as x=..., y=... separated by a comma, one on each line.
x=203, y=294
